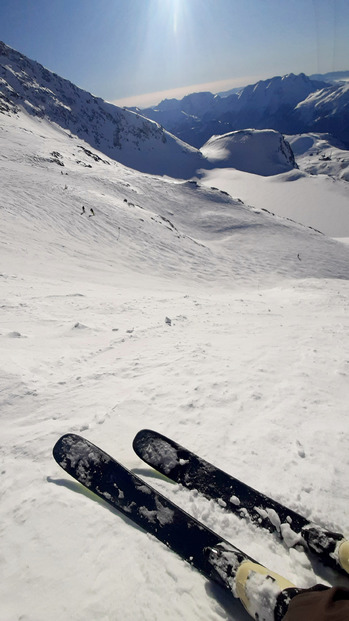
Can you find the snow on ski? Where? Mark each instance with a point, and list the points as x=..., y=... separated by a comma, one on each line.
x=185, y=467
x=264, y=594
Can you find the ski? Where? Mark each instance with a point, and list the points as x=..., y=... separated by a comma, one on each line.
x=214, y=557
x=185, y=467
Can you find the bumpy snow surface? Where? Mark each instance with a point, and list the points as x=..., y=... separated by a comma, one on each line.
x=174, y=307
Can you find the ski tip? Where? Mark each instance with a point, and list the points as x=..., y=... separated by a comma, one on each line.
x=343, y=555
x=142, y=436
x=143, y=432
x=62, y=443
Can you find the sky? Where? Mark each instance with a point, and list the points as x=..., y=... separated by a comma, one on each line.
x=138, y=52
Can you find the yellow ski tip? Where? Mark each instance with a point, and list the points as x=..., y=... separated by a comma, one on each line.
x=343, y=555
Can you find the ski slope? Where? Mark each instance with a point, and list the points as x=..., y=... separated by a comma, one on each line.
x=317, y=194
x=175, y=307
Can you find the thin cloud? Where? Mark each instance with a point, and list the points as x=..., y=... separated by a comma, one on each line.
x=150, y=99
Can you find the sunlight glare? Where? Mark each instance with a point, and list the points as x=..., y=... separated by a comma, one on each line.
x=173, y=11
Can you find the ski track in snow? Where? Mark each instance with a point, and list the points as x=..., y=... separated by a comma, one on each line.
x=251, y=372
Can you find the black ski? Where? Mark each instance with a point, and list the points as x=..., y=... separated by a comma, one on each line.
x=213, y=556
x=185, y=467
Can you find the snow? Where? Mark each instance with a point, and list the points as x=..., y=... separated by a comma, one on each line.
x=261, y=152
x=251, y=372
x=316, y=200
x=334, y=99
x=262, y=595
x=287, y=90
x=321, y=154
x=160, y=452
x=289, y=104
x=119, y=133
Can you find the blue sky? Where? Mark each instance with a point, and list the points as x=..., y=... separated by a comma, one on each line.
x=123, y=50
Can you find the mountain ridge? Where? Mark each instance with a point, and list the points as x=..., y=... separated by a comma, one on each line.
x=121, y=134
x=275, y=103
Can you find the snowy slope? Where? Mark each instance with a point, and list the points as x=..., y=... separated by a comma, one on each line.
x=316, y=195
x=261, y=152
x=280, y=92
x=318, y=201
x=194, y=219
x=320, y=154
x=327, y=110
x=252, y=373
x=122, y=135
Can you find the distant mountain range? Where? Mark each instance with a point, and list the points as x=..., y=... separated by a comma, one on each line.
x=332, y=76
x=290, y=104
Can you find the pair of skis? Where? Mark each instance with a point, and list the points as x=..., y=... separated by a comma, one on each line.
x=264, y=594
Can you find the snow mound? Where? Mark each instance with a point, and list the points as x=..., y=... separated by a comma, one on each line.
x=15, y=335
x=262, y=152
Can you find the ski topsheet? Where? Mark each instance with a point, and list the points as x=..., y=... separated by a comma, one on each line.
x=190, y=470
x=205, y=550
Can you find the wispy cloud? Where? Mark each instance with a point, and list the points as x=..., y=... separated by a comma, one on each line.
x=150, y=99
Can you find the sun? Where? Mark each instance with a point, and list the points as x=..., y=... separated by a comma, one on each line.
x=173, y=12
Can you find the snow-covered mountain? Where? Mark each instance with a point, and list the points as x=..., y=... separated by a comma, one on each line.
x=260, y=152
x=28, y=88
x=290, y=104
x=129, y=300
x=331, y=76
x=327, y=110
x=125, y=136
x=191, y=117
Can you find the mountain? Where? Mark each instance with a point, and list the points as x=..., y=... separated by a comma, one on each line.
x=269, y=104
x=254, y=359
x=331, y=76
x=26, y=86
x=175, y=306
x=327, y=110
x=191, y=118
x=261, y=152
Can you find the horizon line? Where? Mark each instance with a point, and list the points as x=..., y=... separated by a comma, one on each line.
x=151, y=99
